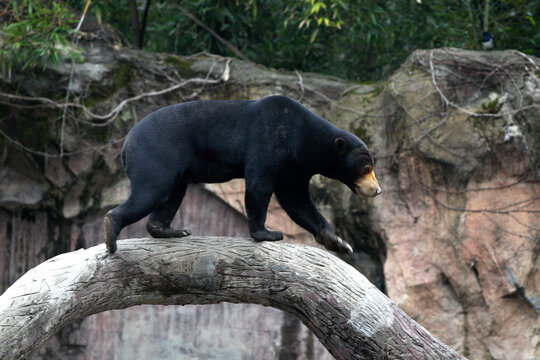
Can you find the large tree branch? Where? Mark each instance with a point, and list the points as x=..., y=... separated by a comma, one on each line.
x=348, y=314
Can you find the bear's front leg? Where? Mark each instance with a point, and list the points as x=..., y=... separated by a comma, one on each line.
x=295, y=199
x=258, y=193
x=332, y=242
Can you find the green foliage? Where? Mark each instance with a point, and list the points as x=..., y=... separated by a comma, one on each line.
x=325, y=13
x=358, y=40
x=37, y=34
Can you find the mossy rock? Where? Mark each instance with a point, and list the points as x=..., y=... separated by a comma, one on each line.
x=122, y=75
x=183, y=66
x=492, y=107
x=119, y=78
x=362, y=133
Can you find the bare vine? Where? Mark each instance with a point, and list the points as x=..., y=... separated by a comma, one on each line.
x=494, y=74
x=105, y=119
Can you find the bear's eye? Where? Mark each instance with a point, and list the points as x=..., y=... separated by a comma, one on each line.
x=366, y=170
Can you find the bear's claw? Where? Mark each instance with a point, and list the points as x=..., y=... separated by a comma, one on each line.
x=159, y=231
x=333, y=242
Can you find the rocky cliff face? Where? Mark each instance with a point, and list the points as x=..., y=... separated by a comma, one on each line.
x=453, y=240
x=460, y=218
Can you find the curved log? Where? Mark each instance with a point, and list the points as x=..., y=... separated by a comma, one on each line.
x=349, y=315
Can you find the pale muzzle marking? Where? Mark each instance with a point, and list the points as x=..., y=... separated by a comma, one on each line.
x=368, y=185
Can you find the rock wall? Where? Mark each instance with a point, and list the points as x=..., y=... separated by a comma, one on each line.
x=453, y=240
x=460, y=212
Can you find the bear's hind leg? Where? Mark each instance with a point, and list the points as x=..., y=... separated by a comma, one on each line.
x=143, y=199
x=159, y=222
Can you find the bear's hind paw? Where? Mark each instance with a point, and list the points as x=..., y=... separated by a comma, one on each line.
x=110, y=230
x=265, y=235
x=157, y=231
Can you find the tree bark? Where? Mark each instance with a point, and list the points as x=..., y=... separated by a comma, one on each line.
x=134, y=13
x=346, y=312
x=138, y=30
x=143, y=24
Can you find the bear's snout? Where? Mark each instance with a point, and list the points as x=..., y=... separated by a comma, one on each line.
x=368, y=185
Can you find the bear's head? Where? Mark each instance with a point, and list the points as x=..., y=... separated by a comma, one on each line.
x=356, y=168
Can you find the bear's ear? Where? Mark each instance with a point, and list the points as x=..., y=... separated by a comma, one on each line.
x=341, y=146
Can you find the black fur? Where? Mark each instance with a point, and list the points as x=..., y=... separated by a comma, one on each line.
x=275, y=143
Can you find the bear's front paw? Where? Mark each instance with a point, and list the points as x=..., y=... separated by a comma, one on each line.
x=265, y=235
x=333, y=242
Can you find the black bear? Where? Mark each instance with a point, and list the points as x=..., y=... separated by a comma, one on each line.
x=275, y=143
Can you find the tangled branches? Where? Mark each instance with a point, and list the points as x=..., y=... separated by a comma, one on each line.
x=81, y=115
